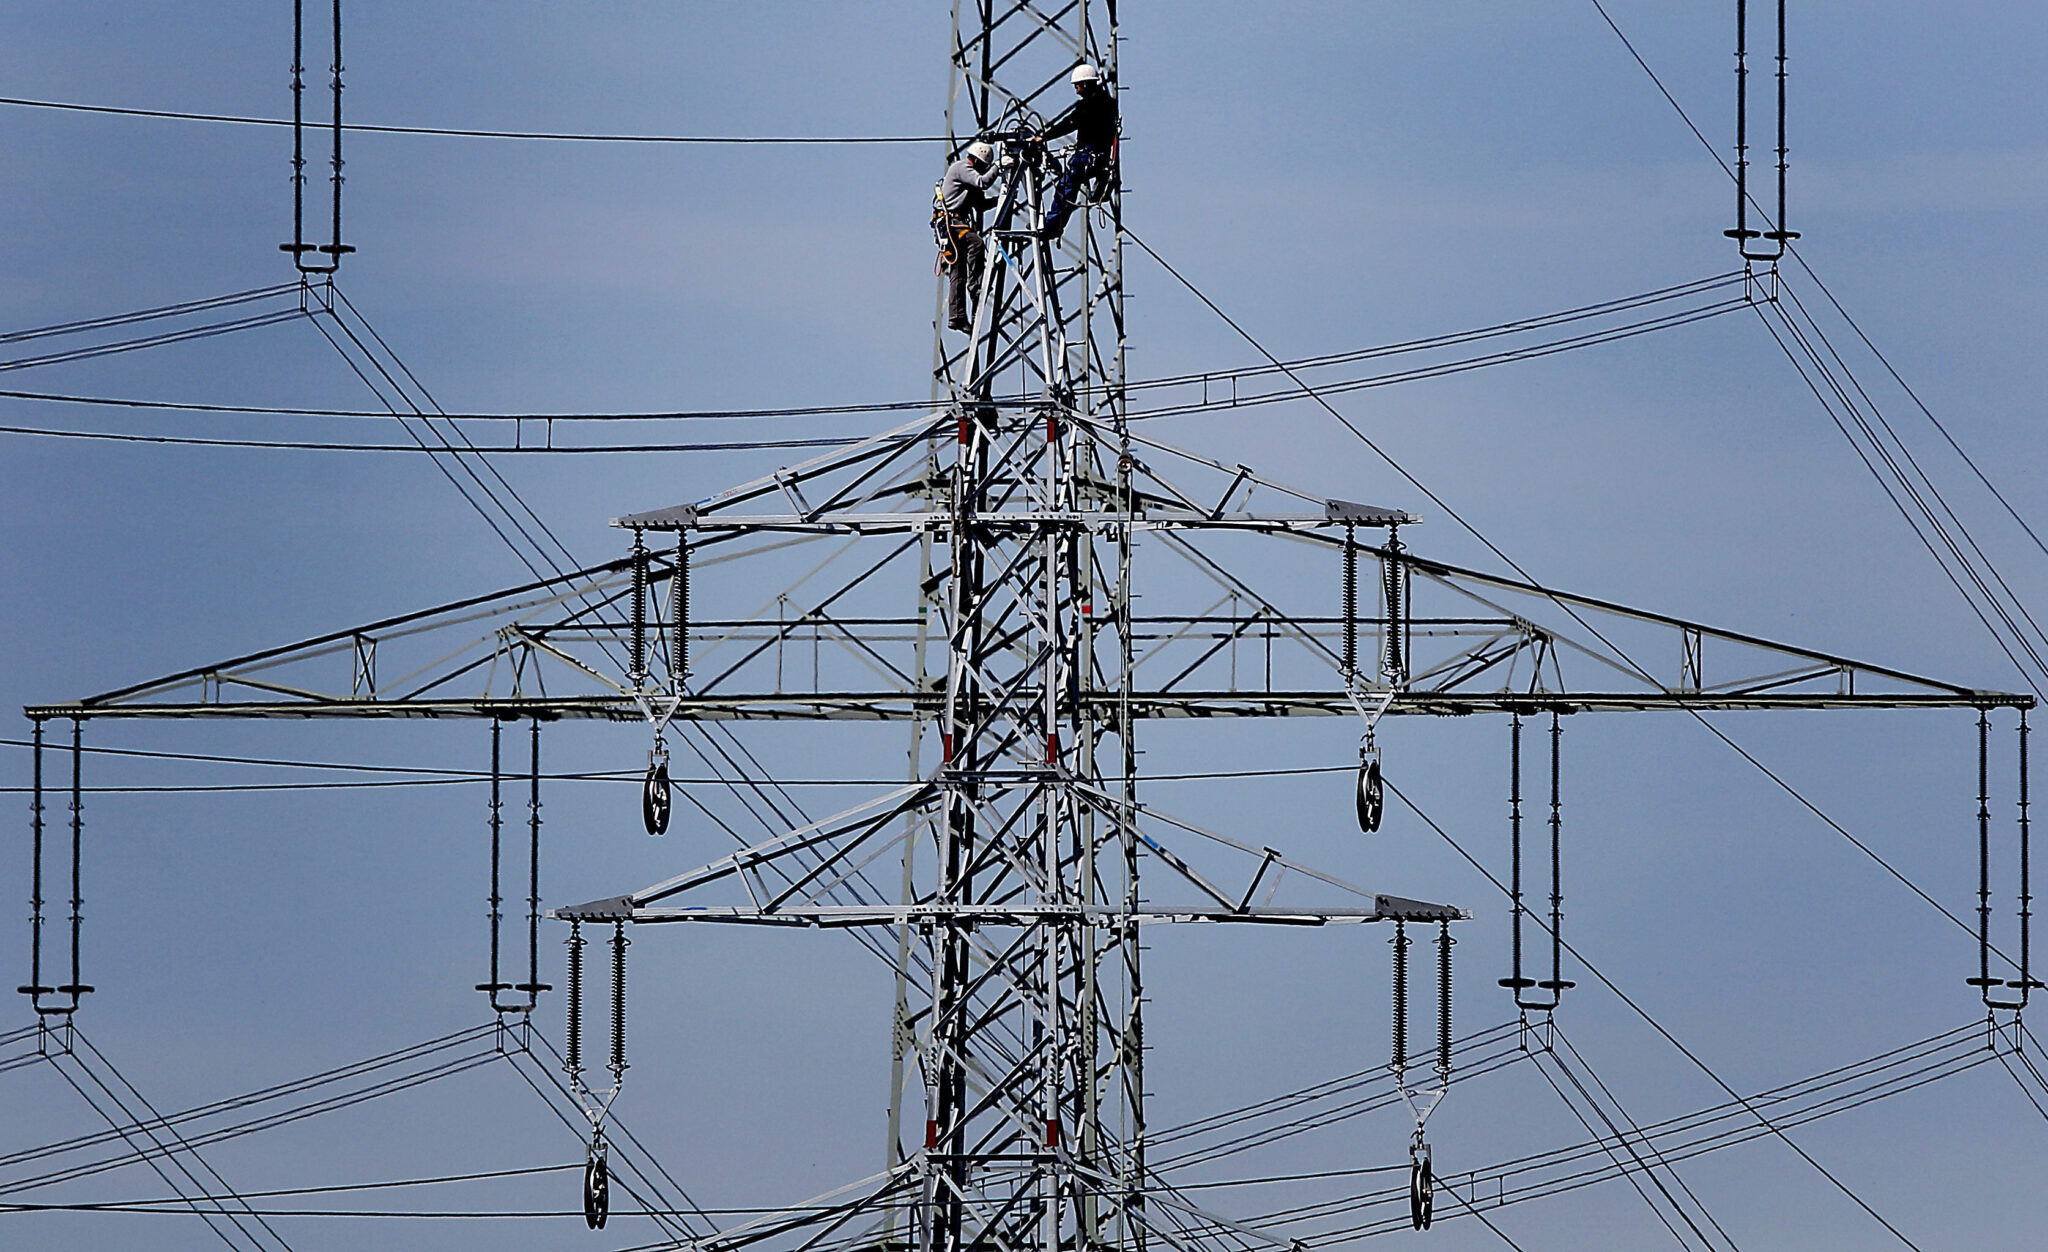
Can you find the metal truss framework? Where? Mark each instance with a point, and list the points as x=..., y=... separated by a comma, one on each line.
x=1018, y=510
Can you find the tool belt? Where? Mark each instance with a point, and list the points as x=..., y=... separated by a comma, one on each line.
x=948, y=228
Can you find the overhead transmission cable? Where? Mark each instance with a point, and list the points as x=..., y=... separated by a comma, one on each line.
x=1700, y=1132
x=1910, y=480
x=1206, y=380
x=1920, y=518
x=1622, y=655
x=1657, y=1026
x=168, y=1160
x=179, y=309
x=1807, y=266
x=1656, y=1153
x=207, y=331
x=414, y=409
x=467, y=133
x=410, y=774
x=1635, y=1166
x=1926, y=412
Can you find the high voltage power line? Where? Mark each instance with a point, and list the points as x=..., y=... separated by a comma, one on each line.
x=1639, y=1153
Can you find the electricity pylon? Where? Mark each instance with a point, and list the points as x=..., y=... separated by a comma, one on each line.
x=1012, y=513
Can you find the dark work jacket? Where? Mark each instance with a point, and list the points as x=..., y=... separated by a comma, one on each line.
x=1091, y=120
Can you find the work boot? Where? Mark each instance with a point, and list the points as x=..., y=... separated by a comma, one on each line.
x=960, y=324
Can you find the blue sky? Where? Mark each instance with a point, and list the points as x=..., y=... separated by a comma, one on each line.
x=1334, y=176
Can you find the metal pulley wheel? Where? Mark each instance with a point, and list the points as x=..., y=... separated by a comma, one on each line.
x=654, y=798
x=1372, y=799
x=1421, y=1187
x=597, y=1189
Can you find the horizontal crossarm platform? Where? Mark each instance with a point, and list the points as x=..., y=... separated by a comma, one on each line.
x=1385, y=909
x=1468, y=642
x=874, y=706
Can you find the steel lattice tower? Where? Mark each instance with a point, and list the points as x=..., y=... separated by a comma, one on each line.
x=1029, y=1046
x=1008, y=514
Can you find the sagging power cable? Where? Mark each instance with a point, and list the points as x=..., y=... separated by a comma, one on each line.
x=1912, y=492
x=1812, y=273
x=463, y=133
x=1770, y=1126
x=179, y=309
x=1619, y=653
x=1209, y=381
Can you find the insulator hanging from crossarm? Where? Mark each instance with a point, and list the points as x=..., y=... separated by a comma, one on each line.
x=497, y=981
x=1350, y=603
x=636, y=666
x=299, y=249
x=619, y=944
x=572, y=1062
x=1743, y=234
x=1519, y=982
x=1444, y=943
x=1421, y=1181
x=1400, y=942
x=1394, y=598
x=679, y=614
x=533, y=986
x=35, y=989
x=1984, y=982
x=76, y=987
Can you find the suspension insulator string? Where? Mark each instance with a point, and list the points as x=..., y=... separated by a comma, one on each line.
x=335, y=248
x=1350, y=603
x=297, y=247
x=2027, y=981
x=1556, y=983
x=572, y=1063
x=35, y=989
x=637, y=653
x=1516, y=983
x=1394, y=651
x=76, y=987
x=1400, y=942
x=533, y=986
x=1443, y=1002
x=679, y=609
x=619, y=945
x=497, y=915
x=1781, y=234
x=1984, y=981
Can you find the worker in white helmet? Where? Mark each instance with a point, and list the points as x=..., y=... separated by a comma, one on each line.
x=966, y=191
x=1092, y=121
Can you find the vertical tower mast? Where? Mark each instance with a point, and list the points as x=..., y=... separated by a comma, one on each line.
x=1027, y=1045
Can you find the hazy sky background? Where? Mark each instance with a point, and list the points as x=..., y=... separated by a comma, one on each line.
x=1334, y=176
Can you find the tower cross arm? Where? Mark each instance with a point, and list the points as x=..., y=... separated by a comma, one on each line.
x=1385, y=908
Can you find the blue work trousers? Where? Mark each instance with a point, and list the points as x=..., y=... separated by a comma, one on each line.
x=1083, y=165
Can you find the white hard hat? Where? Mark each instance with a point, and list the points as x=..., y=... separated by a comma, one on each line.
x=980, y=151
x=1084, y=73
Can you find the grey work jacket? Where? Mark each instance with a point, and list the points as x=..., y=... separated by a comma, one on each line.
x=965, y=192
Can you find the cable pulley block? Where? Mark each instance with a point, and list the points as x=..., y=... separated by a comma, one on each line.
x=654, y=796
x=1372, y=798
x=1421, y=1186
x=597, y=1187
